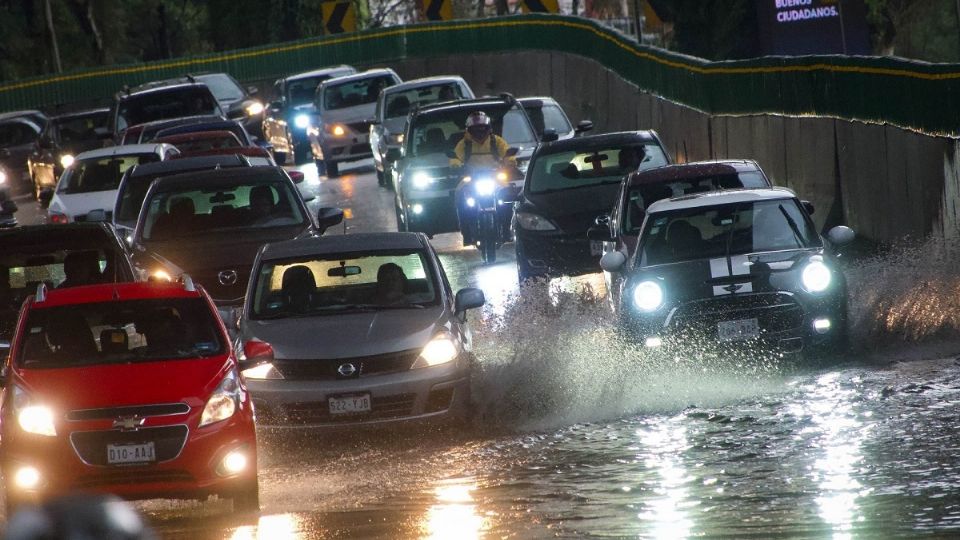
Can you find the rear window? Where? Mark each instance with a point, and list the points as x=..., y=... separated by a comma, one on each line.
x=399, y=104
x=80, y=128
x=590, y=167
x=357, y=92
x=153, y=106
x=100, y=174
x=119, y=332
x=549, y=116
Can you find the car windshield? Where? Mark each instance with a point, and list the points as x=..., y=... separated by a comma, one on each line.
x=399, y=104
x=80, y=128
x=642, y=196
x=206, y=141
x=548, y=116
x=178, y=103
x=730, y=229
x=223, y=87
x=17, y=134
x=590, y=167
x=302, y=91
x=441, y=131
x=356, y=92
x=100, y=174
x=119, y=332
x=194, y=210
x=337, y=283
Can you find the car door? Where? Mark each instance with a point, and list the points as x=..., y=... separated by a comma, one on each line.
x=274, y=124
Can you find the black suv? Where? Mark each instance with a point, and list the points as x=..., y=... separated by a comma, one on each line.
x=160, y=101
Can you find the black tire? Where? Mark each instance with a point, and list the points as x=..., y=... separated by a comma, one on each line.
x=381, y=179
x=301, y=155
x=333, y=169
x=246, y=499
x=488, y=251
x=488, y=238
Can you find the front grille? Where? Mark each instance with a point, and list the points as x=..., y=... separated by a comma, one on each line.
x=360, y=127
x=326, y=369
x=140, y=411
x=91, y=446
x=776, y=313
x=132, y=476
x=318, y=412
x=210, y=279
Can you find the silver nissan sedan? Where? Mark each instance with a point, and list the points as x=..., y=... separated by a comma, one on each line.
x=353, y=330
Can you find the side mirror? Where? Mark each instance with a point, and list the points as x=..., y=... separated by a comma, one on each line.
x=508, y=194
x=97, y=215
x=102, y=133
x=328, y=217
x=549, y=135
x=599, y=233
x=613, y=261
x=256, y=353
x=296, y=176
x=512, y=151
x=46, y=195
x=841, y=235
x=394, y=154
x=468, y=298
x=583, y=127
x=808, y=206
x=252, y=90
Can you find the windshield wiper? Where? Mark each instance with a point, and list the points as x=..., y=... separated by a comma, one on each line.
x=793, y=226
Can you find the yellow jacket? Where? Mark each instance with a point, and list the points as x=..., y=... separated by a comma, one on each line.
x=480, y=155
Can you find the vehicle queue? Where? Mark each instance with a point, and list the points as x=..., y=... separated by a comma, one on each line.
x=148, y=389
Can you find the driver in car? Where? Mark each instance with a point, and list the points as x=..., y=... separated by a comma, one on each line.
x=391, y=284
x=262, y=207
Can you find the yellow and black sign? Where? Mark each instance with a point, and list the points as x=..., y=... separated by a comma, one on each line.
x=539, y=6
x=437, y=10
x=339, y=17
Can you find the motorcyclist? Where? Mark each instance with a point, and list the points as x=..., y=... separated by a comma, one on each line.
x=479, y=147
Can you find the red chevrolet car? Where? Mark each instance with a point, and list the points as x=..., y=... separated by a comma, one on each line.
x=131, y=389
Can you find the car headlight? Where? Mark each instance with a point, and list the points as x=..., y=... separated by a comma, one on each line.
x=67, y=160
x=223, y=403
x=485, y=186
x=337, y=130
x=262, y=372
x=397, y=138
x=421, y=180
x=3, y=177
x=254, y=108
x=816, y=276
x=302, y=121
x=32, y=418
x=533, y=222
x=160, y=275
x=440, y=350
x=648, y=296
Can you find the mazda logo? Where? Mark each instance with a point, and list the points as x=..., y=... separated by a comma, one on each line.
x=346, y=370
x=227, y=277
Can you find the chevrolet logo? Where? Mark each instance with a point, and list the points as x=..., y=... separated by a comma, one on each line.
x=129, y=423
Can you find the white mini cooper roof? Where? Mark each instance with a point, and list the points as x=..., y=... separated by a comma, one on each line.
x=716, y=198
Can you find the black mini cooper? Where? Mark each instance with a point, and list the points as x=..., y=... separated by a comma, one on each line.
x=739, y=267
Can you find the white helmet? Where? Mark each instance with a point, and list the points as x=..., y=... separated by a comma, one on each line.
x=478, y=118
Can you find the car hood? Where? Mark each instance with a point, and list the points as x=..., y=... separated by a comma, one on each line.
x=357, y=113
x=348, y=335
x=79, y=204
x=573, y=210
x=118, y=385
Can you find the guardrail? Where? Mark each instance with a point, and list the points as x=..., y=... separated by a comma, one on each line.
x=908, y=94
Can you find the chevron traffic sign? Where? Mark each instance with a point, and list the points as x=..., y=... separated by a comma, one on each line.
x=338, y=17
x=540, y=6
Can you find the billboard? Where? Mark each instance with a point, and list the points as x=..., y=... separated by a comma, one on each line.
x=799, y=27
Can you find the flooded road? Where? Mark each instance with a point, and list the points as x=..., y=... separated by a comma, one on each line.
x=577, y=433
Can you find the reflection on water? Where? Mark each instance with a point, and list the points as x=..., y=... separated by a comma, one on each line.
x=454, y=515
x=667, y=513
x=276, y=527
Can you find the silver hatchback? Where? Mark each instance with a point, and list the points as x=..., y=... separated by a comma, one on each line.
x=355, y=329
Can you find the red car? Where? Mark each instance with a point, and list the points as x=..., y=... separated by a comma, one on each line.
x=131, y=389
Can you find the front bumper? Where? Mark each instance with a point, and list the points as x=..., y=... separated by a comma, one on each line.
x=350, y=147
x=424, y=394
x=554, y=255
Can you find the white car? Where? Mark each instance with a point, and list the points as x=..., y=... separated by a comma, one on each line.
x=87, y=190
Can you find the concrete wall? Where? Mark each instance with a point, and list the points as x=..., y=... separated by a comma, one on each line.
x=884, y=182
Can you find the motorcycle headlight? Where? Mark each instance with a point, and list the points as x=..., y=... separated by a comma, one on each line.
x=533, y=222
x=421, y=180
x=302, y=121
x=67, y=160
x=485, y=186
x=262, y=372
x=223, y=403
x=441, y=350
x=648, y=296
x=33, y=418
x=254, y=108
x=816, y=276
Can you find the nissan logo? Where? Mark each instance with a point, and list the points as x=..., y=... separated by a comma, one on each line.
x=346, y=370
x=227, y=277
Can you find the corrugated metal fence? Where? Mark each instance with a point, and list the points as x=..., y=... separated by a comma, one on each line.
x=908, y=94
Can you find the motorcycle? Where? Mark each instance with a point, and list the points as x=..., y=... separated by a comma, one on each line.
x=485, y=208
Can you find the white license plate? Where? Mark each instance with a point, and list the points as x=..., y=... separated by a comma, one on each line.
x=131, y=453
x=740, y=329
x=359, y=403
x=596, y=247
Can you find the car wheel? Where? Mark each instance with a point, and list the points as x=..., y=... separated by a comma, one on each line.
x=333, y=169
x=246, y=500
x=321, y=167
x=381, y=179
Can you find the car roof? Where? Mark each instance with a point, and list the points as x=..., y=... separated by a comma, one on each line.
x=319, y=72
x=159, y=87
x=343, y=243
x=717, y=198
x=378, y=72
x=425, y=81
x=217, y=177
x=174, y=138
x=697, y=169
x=19, y=114
x=113, y=292
x=462, y=104
x=40, y=234
x=78, y=114
x=187, y=164
x=536, y=101
x=124, y=150
x=586, y=141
